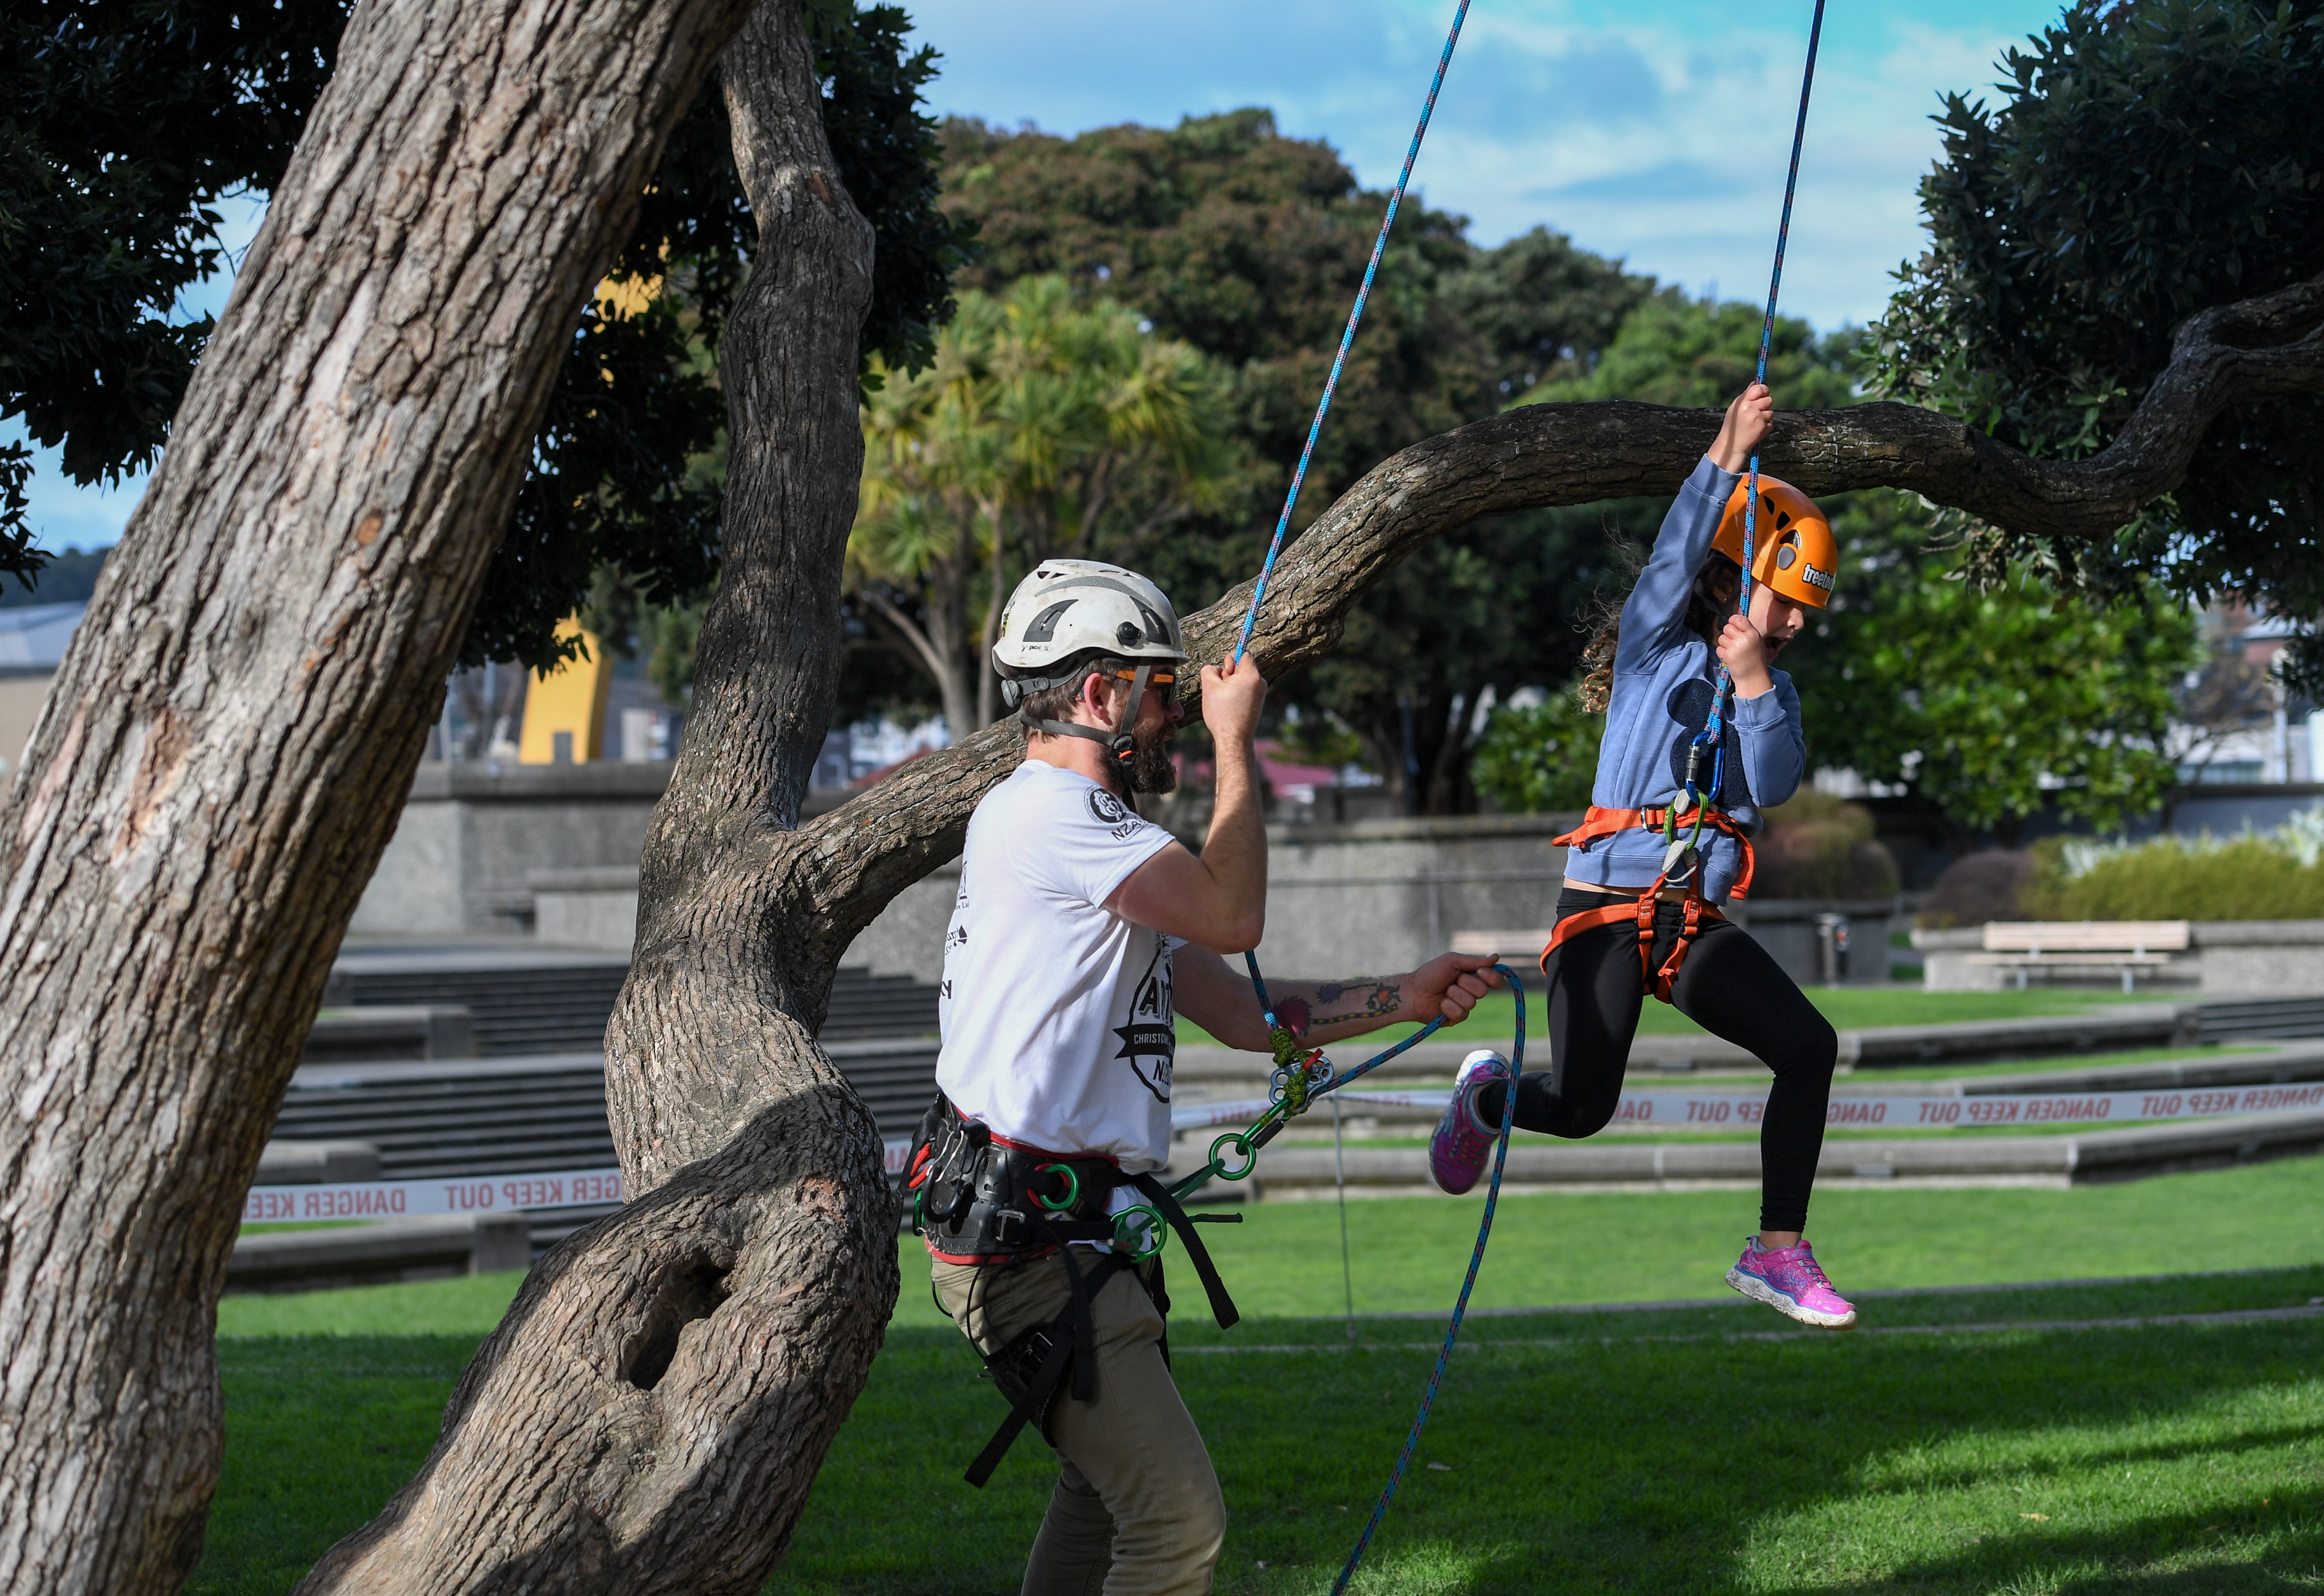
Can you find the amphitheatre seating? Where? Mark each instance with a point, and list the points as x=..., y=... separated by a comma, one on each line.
x=2028, y=947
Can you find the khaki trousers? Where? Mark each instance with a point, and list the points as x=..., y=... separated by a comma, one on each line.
x=1137, y=1510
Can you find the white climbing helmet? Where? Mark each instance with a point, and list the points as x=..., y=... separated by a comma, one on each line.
x=1070, y=607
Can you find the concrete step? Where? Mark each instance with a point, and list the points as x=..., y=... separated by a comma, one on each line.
x=2293, y=1062
x=316, y=1163
x=1306, y=1169
x=524, y=999
x=457, y=1117
x=430, y=1249
x=2115, y=1028
x=354, y=1035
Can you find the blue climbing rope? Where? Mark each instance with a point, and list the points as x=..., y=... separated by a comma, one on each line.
x=1348, y=338
x=1298, y=1081
x=1468, y=1285
x=1714, y=734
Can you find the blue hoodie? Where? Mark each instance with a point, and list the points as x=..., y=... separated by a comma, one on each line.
x=1662, y=699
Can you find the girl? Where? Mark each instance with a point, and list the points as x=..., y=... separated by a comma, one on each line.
x=1638, y=912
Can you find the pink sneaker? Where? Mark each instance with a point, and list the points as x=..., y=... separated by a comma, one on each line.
x=1464, y=1141
x=1788, y=1280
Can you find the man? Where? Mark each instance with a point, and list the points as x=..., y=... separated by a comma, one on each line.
x=1080, y=932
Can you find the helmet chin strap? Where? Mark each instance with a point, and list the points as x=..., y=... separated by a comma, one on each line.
x=1120, y=744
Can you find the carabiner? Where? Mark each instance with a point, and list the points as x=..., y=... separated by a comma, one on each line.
x=1139, y=1237
x=1072, y=1188
x=1236, y=1140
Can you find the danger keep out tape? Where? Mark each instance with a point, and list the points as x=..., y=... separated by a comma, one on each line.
x=1679, y=1110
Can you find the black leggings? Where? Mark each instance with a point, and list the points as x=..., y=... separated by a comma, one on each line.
x=1730, y=987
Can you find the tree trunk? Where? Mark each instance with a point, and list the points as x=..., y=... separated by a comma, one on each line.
x=652, y=1412
x=948, y=634
x=227, y=745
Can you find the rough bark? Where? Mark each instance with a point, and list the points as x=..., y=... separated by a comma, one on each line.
x=650, y=1414
x=229, y=739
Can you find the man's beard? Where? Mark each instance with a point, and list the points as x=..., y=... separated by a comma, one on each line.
x=1151, y=767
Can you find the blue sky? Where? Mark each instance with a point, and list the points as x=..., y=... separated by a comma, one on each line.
x=1657, y=132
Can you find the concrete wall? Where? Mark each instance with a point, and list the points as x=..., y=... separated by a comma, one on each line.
x=589, y=908
x=470, y=839
x=1353, y=900
x=1788, y=928
x=2248, y=959
x=1365, y=898
x=22, y=694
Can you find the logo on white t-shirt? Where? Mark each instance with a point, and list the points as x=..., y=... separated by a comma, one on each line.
x=1149, y=1042
x=1121, y=821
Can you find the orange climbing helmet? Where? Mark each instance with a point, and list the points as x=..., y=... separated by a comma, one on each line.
x=1795, y=553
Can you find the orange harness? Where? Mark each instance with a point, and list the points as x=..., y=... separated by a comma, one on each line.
x=1598, y=823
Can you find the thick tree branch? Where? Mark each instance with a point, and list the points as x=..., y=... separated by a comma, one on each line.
x=855, y=859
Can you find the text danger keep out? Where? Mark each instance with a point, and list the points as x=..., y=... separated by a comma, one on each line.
x=449, y=1196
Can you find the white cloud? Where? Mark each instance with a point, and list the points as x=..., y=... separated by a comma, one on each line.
x=1658, y=135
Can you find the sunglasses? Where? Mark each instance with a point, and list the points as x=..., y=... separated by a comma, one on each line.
x=1164, y=681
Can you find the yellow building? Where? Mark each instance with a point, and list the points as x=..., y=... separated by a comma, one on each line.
x=565, y=712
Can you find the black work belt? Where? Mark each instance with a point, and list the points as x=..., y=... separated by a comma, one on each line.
x=979, y=1200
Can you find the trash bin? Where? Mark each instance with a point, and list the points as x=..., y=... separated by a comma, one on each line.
x=1831, y=946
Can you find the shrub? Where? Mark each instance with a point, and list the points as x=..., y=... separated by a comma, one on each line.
x=1820, y=846
x=1979, y=886
x=1538, y=756
x=2274, y=875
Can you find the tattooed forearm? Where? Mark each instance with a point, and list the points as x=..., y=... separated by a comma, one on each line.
x=1308, y=1005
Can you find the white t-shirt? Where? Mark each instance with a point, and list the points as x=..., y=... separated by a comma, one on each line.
x=1056, y=1011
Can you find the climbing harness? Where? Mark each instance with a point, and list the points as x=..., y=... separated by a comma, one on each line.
x=978, y=1198
x=1683, y=860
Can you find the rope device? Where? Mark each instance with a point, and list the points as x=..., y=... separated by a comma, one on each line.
x=1460, y=1308
x=1298, y=1079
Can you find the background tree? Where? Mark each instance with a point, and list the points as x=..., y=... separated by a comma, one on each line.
x=1250, y=245
x=1046, y=425
x=1541, y=756
x=2146, y=158
x=122, y=124
x=127, y=122
x=1990, y=705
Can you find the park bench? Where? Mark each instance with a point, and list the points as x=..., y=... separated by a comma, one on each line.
x=2125, y=946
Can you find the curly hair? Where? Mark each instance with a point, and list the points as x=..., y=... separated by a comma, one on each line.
x=1707, y=604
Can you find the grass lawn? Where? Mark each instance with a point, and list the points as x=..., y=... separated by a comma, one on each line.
x=1621, y=1450
x=1848, y=1008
